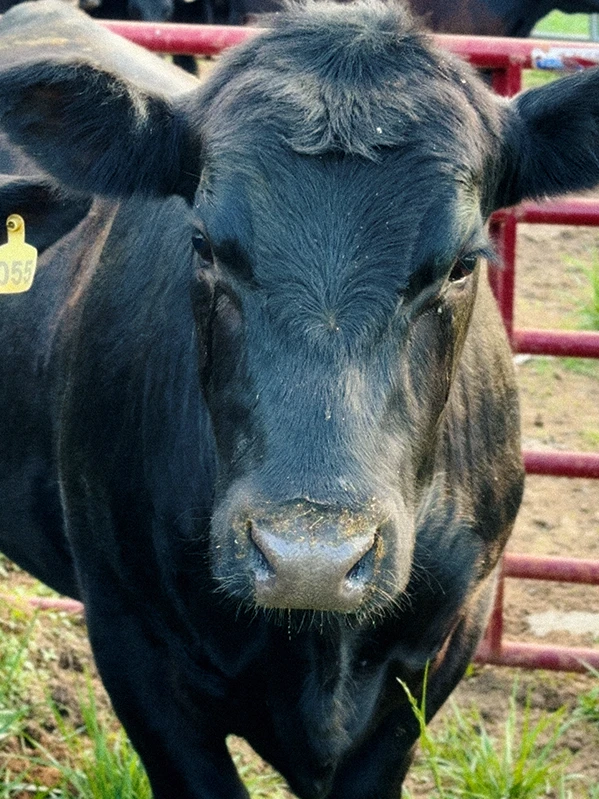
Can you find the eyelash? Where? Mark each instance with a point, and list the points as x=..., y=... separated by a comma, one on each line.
x=202, y=246
x=463, y=268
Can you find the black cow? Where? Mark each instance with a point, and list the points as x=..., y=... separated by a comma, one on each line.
x=278, y=470
x=494, y=17
x=477, y=17
x=482, y=17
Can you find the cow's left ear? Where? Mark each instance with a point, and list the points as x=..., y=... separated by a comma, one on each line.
x=95, y=111
x=551, y=140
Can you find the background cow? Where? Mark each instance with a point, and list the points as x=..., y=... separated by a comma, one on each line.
x=481, y=17
x=477, y=17
x=267, y=426
x=494, y=17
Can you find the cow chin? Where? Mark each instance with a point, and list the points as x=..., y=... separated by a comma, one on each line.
x=308, y=557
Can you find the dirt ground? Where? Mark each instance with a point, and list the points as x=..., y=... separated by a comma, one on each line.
x=560, y=409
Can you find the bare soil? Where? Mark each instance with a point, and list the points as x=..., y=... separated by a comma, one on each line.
x=560, y=410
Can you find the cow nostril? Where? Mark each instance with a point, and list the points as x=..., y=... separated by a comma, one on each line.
x=362, y=571
x=262, y=565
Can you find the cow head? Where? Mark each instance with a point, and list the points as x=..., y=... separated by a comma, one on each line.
x=339, y=171
x=328, y=355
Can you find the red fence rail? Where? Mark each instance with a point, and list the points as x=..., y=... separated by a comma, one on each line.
x=507, y=58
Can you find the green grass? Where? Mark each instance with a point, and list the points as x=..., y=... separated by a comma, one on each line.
x=465, y=762
x=586, y=273
x=14, y=709
x=531, y=78
x=547, y=365
x=555, y=24
x=13, y=659
x=558, y=23
x=100, y=764
x=260, y=784
x=588, y=704
x=95, y=760
x=588, y=367
x=589, y=308
x=590, y=436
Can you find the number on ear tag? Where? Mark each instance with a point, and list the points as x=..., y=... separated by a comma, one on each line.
x=17, y=259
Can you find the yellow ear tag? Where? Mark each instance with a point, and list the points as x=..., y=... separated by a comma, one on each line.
x=17, y=259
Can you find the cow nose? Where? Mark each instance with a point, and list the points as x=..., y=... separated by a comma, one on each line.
x=322, y=564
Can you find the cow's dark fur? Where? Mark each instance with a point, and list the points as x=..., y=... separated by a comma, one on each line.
x=200, y=439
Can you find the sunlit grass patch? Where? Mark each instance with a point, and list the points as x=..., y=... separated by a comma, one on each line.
x=559, y=24
x=100, y=763
x=588, y=704
x=261, y=781
x=548, y=365
x=555, y=24
x=589, y=310
x=13, y=679
x=465, y=762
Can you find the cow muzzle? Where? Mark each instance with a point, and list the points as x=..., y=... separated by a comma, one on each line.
x=323, y=567
x=302, y=555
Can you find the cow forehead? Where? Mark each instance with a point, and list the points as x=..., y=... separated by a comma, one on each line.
x=352, y=81
x=340, y=215
x=313, y=115
x=336, y=244
x=343, y=122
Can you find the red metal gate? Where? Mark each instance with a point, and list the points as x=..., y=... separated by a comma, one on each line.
x=507, y=58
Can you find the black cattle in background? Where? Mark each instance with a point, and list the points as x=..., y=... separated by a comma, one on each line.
x=259, y=412
x=476, y=17
x=494, y=17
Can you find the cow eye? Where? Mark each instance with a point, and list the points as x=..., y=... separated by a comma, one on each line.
x=463, y=267
x=202, y=246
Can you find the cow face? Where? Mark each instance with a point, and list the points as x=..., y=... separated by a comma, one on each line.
x=340, y=170
x=333, y=310
x=337, y=271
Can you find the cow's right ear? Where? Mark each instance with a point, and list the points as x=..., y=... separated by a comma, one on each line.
x=98, y=113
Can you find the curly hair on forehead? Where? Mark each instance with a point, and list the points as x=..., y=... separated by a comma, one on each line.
x=355, y=84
